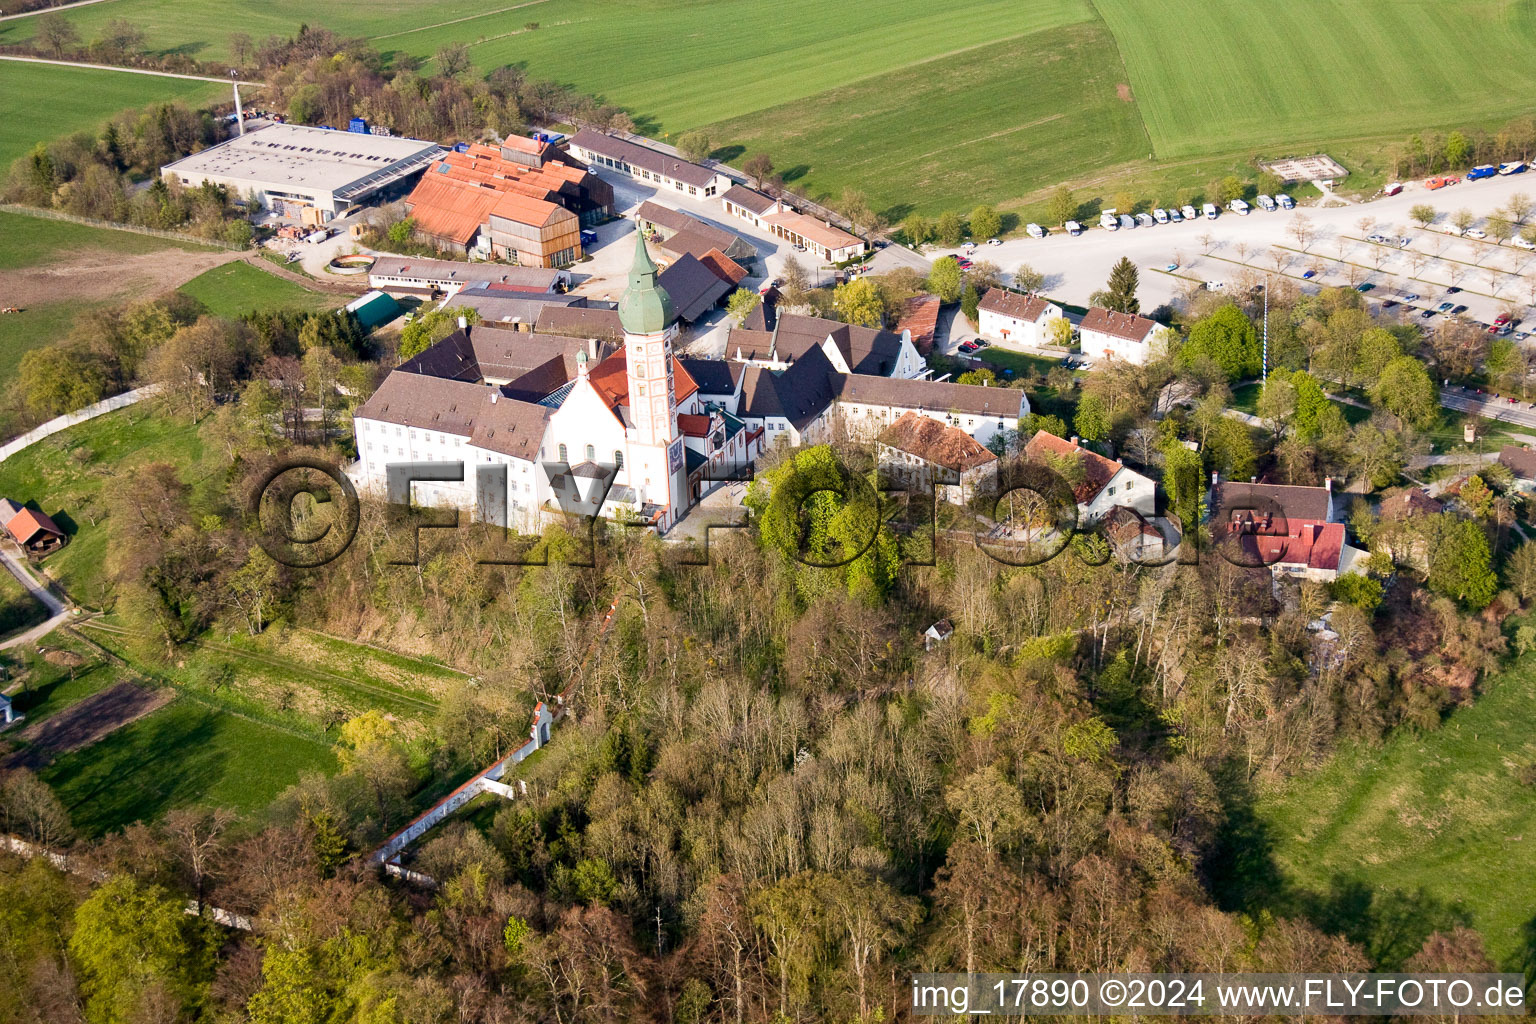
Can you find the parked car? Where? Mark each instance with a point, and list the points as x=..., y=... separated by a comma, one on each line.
x=1073, y=228
x=982, y=343
x=1035, y=231
x=1389, y=304
x=968, y=346
x=1482, y=171
x=1160, y=215
x=1522, y=243
x=1285, y=201
x=1308, y=275
x=1426, y=314
x=1411, y=296
x=1444, y=307
x=1174, y=214
x=995, y=241
x=1210, y=211
x=1518, y=167
x=1145, y=220
x=1458, y=310
x=1170, y=268
x=1215, y=286
x=1364, y=287
x=1265, y=203
x=1188, y=212
x=1477, y=233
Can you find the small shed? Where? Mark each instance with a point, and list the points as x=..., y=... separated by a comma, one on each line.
x=374, y=309
x=937, y=634
x=8, y=714
x=34, y=531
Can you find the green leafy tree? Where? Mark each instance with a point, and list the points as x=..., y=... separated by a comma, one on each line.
x=919, y=230
x=1477, y=496
x=1377, y=348
x=1183, y=481
x=1036, y=421
x=859, y=302
x=950, y=228
x=982, y=377
x=986, y=222
x=944, y=279
x=430, y=328
x=970, y=301
x=1457, y=149
x=1406, y=390
x=1423, y=214
x=56, y=33
x=1232, y=452
x=1460, y=564
x=402, y=231
x=1063, y=205
x=131, y=938
x=1229, y=188
x=1092, y=419
x=1027, y=279
x=743, y=302
x=1228, y=338
x=1121, y=291
x=1358, y=590
x=694, y=146
x=62, y=378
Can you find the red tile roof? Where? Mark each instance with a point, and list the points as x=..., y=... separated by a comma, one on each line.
x=936, y=442
x=725, y=268
x=611, y=379
x=27, y=524
x=920, y=315
x=1097, y=470
x=1028, y=308
x=1118, y=325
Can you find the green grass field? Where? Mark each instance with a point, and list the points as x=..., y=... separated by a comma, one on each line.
x=238, y=287
x=68, y=472
x=994, y=100
x=1386, y=843
x=38, y=241
x=185, y=754
x=41, y=101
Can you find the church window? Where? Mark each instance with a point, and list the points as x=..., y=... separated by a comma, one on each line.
x=618, y=459
x=591, y=454
x=564, y=457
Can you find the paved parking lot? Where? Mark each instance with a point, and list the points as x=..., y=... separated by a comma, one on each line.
x=1076, y=267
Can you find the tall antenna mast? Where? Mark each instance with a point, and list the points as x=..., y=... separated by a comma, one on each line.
x=234, y=78
x=1265, y=371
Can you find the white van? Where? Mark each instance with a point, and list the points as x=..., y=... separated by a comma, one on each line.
x=1035, y=231
x=1160, y=215
x=1238, y=207
x=1073, y=228
x=1210, y=211
x=1189, y=213
x=1107, y=220
x=1266, y=204
x=1285, y=201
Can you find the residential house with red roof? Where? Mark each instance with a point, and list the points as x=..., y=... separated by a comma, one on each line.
x=1016, y=319
x=34, y=531
x=922, y=452
x=1099, y=484
x=1105, y=334
x=1291, y=529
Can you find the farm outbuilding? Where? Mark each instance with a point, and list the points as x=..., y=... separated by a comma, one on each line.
x=34, y=531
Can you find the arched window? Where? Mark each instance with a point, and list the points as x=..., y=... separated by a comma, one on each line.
x=618, y=459
x=591, y=454
x=563, y=456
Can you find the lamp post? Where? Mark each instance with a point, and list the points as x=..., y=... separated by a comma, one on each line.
x=234, y=80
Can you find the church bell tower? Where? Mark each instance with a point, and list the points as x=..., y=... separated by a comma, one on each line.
x=649, y=320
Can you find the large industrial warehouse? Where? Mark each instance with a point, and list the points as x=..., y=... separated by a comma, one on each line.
x=294, y=169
